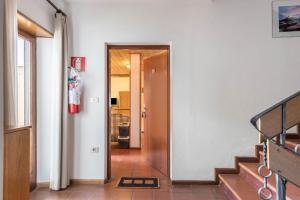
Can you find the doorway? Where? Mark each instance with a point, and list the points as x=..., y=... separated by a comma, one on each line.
x=138, y=108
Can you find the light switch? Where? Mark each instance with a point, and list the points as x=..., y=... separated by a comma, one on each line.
x=94, y=100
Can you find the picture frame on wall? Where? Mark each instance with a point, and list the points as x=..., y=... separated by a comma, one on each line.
x=286, y=18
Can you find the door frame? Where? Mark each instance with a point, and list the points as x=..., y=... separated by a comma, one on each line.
x=108, y=47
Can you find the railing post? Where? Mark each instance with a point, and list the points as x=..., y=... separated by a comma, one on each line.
x=280, y=187
x=280, y=181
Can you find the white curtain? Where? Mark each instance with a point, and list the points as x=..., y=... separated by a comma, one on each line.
x=10, y=55
x=59, y=169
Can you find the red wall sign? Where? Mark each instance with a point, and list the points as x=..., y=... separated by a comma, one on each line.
x=78, y=63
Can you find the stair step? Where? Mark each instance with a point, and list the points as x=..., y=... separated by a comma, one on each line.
x=238, y=188
x=250, y=174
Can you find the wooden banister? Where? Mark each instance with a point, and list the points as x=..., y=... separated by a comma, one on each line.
x=269, y=122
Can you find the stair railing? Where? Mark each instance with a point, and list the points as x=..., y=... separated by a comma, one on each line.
x=272, y=125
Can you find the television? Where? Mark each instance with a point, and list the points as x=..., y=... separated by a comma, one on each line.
x=114, y=101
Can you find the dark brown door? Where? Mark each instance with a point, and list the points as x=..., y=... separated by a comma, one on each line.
x=156, y=110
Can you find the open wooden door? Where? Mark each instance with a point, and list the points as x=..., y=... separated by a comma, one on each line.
x=156, y=95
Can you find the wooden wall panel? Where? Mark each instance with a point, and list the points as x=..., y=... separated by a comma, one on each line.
x=17, y=164
x=124, y=100
x=284, y=162
x=124, y=106
x=293, y=112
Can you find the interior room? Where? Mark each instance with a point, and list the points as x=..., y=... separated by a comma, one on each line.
x=129, y=154
x=151, y=99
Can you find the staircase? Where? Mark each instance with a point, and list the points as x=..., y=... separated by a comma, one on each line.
x=245, y=181
x=275, y=172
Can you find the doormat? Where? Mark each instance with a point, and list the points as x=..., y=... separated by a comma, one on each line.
x=138, y=182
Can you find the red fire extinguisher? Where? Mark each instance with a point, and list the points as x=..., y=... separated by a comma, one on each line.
x=74, y=91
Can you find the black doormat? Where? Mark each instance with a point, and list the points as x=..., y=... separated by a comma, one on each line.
x=138, y=182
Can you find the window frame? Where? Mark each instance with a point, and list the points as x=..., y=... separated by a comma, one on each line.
x=33, y=108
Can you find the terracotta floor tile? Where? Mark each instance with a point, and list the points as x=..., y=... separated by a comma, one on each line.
x=208, y=192
x=162, y=195
x=131, y=163
x=165, y=185
x=181, y=188
x=79, y=195
x=183, y=196
x=145, y=195
x=48, y=195
x=121, y=195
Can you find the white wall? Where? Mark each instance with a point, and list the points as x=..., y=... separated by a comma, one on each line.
x=226, y=67
x=1, y=96
x=119, y=84
x=44, y=102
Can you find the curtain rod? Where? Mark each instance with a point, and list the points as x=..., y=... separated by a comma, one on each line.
x=56, y=8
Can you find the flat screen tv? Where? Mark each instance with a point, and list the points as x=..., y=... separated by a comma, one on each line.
x=114, y=101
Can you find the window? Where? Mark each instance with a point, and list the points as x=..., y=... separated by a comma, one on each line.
x=23, y=81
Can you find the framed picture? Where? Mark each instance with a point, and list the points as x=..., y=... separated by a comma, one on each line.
x=286, y=18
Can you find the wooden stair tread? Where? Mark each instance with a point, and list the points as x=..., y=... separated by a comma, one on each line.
x=293, y=192
x=239, y=187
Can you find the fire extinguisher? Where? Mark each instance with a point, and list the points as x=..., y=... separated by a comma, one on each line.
x=74, y=91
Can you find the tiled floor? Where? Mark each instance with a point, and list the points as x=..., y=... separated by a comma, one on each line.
x=127, y=163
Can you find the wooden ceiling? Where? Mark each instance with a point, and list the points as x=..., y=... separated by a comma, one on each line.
x=120, y=59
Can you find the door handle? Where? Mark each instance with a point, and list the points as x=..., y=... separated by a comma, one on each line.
x=144, y=114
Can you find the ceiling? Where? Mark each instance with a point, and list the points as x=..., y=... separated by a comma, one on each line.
x=120, y=59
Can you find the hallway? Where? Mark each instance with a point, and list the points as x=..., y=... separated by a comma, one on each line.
x=132, y=163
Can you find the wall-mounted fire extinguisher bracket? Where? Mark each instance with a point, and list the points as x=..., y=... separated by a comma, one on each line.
x=74, y=84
